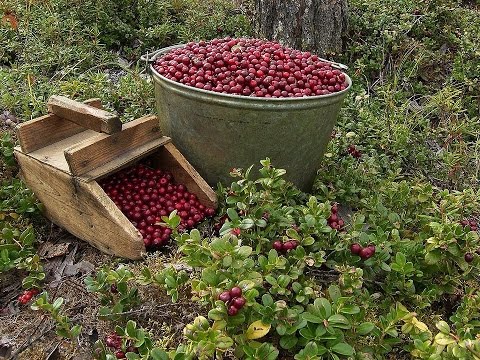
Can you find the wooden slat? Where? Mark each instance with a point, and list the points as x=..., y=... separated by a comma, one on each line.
x=46, y=130
x=82, y=208
x=125, y=159
x=87, y=116
x=169, y=158
x=101, y=149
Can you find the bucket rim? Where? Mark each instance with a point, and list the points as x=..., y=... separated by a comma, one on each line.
x=162, y=51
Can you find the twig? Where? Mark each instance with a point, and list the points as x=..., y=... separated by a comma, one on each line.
x=29, y=340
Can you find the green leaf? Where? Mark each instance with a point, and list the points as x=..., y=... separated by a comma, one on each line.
x=334, y=292
x=443, y=327
x=131, y=328
x=343, y=349
x=283, y=281
x=216, y=314
x=232, y=214
x=433, y=257
x=57, y=303
x=288, y=342
x=339, y=321
x=244, y=251
x=400, y=259
x=267, y=300
x=132, y=356
x=365, y=328
x=312, y=318
x=158, y=354
x=246, y=224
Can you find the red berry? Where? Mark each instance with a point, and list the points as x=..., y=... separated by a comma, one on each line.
x=239, y=302
x=372, y=248
x=468, y=257
x=224, y=296
x=277, y=245
x=355, y=248
x=132, y=349
x=232, y=311
x=366, y=253
x=288, y=245
x=333, y=218
x=113, y=341
x=120, y=354
x=235, y=292
x=235, y=231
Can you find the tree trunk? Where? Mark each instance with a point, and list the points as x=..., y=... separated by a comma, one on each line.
x=313, y=25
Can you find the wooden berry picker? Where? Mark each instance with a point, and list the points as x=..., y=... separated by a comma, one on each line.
x=108, y=183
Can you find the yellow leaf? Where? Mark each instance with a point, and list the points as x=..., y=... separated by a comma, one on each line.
x=257, y=329
x=14, y=216
x=443, y=340
x=419, y=325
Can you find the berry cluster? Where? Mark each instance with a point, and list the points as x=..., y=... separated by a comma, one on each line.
x=335, y=221
x=27, y=296
x=472, y=223
x=114, y=342
x=352, y=150
x=285, y=246
x=144, y=195
x=364, y=252
x=250, y=67
x=234, y=300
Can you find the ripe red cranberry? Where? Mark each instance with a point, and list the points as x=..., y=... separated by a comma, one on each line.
x=355, y=248
x=288, y=245
x=113, y=341
x=120, y=354
x=132, y=349
x=224, y=296
x=239, y=302
x=366, y=253
x=469, y=257
x=235, y=231
x=232, y=311
x=277, y=245
x=235, y=292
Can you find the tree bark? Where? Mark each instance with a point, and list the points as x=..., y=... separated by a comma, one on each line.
x=313, y=25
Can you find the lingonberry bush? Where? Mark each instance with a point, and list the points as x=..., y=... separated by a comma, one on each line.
x=334, y=292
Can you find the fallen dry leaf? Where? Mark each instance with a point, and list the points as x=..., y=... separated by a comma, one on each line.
x=10, y=18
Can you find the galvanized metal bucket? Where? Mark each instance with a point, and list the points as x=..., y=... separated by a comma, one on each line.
x=217, y=132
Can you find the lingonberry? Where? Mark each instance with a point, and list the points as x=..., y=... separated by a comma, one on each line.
x=235, y=292
x=355, y=248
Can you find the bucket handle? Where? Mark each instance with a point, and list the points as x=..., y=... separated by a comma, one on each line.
x=149, y=59
x=335, y=64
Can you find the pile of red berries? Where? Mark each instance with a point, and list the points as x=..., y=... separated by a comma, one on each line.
x=234, y=300
x=335, y=221
x=285, y=246
x=144, y=195
x=364, y=252
x=472, y=223
x=352, y=150
x=27, y=296
x=250, y=67
x=114, y=341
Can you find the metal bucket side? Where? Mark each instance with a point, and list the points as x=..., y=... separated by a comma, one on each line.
x=218, y=131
